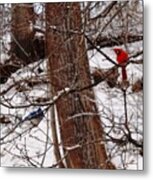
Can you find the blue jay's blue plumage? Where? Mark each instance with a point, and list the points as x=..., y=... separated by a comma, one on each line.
x=34, y=117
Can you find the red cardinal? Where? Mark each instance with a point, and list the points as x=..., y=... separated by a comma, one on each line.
x=122, y=58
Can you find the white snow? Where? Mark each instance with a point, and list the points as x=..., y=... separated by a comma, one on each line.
x=34, y=147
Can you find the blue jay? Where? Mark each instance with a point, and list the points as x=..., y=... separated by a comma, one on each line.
x=34, y=117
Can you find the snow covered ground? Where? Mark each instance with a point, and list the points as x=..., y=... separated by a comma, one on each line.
x=24, y=147
x=110, y=103
x=37, y=143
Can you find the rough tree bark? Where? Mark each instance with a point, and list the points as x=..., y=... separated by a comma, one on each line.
x=80, y=126
x=22, y=32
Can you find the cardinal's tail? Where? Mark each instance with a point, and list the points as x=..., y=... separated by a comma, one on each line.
x=124, y=73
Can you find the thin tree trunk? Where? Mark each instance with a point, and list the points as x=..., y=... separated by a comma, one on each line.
x=80, y=126
x=55, y=139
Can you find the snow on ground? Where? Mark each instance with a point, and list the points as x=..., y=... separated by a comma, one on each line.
x=111, y=107
x=36, y=140
x=37, y=143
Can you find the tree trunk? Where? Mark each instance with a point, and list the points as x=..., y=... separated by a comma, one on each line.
x=22, y=32
x=80, y=126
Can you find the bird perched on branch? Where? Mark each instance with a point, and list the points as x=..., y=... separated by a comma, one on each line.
x=122, y=59
x=34, y=117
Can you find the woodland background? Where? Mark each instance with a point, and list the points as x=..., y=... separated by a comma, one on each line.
x=59, y=56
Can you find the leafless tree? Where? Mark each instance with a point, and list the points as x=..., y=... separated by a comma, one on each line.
x=80, y=126
x=58, y=56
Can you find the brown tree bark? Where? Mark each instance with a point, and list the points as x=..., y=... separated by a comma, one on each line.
x=80, y=126
x=22, y=32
